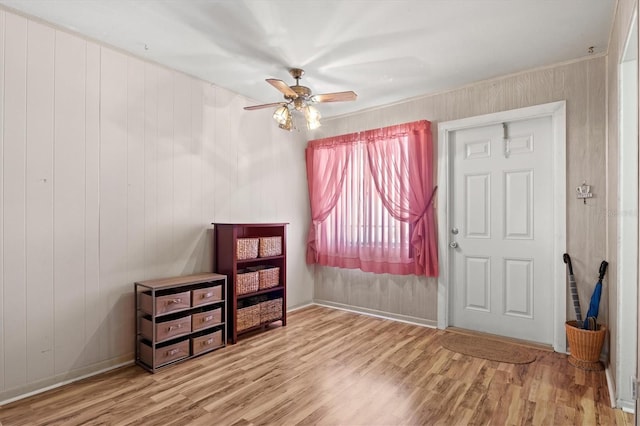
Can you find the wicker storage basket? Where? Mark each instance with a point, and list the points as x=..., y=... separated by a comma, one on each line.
x=247, y=282
x=247, y=248
x=248, y=317
x=270, y=246
x=271, y=310
x=585, y=346
x=268, y=276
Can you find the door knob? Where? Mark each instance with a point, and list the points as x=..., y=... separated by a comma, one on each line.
x=454, y=231
x=453, y=244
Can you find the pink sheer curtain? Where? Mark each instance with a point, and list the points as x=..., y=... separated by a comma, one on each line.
x=370, y=196
x=327, y=162
x=401, y=158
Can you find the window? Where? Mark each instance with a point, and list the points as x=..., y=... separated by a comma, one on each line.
x=370, y=194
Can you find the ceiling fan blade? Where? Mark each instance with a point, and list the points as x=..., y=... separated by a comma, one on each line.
x=335, y=97
x=283, y=87
x=251, y=108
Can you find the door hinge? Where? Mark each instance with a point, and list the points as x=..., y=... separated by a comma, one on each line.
x=634, y=388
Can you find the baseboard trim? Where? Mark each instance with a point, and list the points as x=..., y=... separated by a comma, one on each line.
x=298, y=307
x=378, y=314
x=59, y=380
x=627, y=406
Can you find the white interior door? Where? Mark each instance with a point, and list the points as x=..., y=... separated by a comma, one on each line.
x=502, y=229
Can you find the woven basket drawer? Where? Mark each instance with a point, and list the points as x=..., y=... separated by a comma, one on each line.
x=248, y=317
x=165, y=330
x=163, y=355
x=165, y=304
x=247, y=248
x=206, y=343
x=271, y=310
x=207, y=295
x=206, y=319
x=270, y=246
x=247, y=282
x=268, y=277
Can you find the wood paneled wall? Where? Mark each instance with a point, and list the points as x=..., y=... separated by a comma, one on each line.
x=582, y=85
x=112, y=169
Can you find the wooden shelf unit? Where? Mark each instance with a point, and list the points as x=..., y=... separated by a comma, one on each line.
x=226, y=262
x=179, y=318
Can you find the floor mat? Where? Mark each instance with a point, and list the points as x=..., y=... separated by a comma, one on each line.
x=493, y=350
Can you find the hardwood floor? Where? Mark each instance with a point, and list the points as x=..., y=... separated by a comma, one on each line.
x=332, y=367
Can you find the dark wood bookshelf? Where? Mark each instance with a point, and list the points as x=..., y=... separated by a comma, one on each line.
x=226, y=262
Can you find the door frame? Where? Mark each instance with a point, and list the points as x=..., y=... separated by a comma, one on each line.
x=627, y=226
x=557, y=112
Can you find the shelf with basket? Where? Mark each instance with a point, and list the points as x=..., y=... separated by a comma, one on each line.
x=253, y=257
x=259, y=292
x=179, y=318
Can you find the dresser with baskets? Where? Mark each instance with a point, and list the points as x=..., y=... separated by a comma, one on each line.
x=253, y=258
x=179, y=318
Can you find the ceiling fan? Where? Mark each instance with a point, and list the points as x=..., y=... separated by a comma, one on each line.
x=300, y=98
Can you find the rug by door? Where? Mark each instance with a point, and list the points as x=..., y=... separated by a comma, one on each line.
x=481, y=347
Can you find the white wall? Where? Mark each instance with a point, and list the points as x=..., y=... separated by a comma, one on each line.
x=112, y=170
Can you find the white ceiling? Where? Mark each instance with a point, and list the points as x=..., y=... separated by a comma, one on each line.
x=384, y=50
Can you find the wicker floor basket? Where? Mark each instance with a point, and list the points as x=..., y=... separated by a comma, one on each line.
x=270, y=310
x=247, y=248
x=247, y=282
x=248, y=317
x=585, y=346
x=270, y=246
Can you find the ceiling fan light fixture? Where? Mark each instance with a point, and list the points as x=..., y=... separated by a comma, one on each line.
x=299, y=98
x=282, y=115
x=299, y=104
x=313, y=117
x=312, y=125
x=287, y=125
